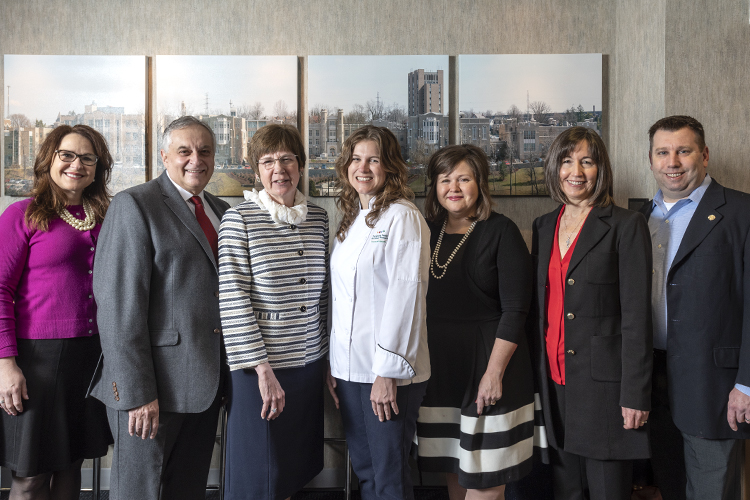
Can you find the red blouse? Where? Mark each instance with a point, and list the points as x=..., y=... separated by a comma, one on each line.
x=554, y=326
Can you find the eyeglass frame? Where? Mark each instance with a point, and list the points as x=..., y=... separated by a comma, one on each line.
x=275, y=160
x=76, y=156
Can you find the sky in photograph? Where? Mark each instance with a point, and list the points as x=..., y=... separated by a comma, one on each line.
x=243, y=80
x=43, y=86
x=342, y=81
x=496, y=82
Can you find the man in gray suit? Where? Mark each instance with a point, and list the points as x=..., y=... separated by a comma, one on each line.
x=156, y=287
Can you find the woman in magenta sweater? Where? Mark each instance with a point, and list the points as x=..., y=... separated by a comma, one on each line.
x=49, y=342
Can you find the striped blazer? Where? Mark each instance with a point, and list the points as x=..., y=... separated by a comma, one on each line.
x=273, y=287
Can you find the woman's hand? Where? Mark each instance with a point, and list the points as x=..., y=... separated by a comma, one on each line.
x=331, y=383
x=383, y=397
x=490, y=389
x=12, y=386
x=634, y=419
x=270, y=391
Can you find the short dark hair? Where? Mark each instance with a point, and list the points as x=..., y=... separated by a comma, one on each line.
x=444, y=161
x=678, y=122
x=562, y=147
x=274, y=138
x=181, y=123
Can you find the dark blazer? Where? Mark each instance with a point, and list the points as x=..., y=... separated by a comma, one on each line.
x=608, y=335
x=156, y=287
x=708, y=299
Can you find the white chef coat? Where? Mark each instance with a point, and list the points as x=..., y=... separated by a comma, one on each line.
x=379, y=280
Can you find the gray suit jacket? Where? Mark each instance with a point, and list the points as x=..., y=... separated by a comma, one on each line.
x=156, y=288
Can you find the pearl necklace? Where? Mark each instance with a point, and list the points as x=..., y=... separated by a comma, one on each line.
x=434, y=259
x=86, y=224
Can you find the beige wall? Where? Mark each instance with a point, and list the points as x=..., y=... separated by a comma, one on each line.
x=664, y=56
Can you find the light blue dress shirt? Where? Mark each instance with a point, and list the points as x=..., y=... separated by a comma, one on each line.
x=667, y=228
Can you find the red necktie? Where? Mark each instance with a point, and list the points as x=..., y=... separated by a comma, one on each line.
x=208, y=228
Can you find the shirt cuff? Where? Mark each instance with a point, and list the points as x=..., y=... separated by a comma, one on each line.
x=743, y=389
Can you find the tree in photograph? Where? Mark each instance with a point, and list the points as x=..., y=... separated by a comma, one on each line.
x=375, y=110
x=18, y=120
x=514, y=113
x=580, y=113
x=420, y=153
x=39, y=123
x=316, y=112
x=541, y=110
x=358, y=114
x=279, y=109
x=489, y=113
x=570, y=115
x=395, y=113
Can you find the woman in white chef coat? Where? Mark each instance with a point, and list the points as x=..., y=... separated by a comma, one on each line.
x=378, y=345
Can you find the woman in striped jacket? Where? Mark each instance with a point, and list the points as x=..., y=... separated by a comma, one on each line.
x=273, y=283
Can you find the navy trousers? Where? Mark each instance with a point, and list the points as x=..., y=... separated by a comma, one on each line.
x=380, y=450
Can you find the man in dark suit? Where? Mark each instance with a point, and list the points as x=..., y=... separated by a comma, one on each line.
x=701, y=305
x=156, y=287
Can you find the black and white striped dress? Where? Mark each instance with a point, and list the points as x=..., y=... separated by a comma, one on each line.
x=497, y=447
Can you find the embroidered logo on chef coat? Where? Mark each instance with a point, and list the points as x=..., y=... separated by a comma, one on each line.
x=379, y=237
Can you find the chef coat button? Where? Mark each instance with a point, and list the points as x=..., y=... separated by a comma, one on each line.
x=300, y=252
x=93, y=248
x=91, y=320
x=571, y=352
x=570, y=316
x=91, y=331
x=303, y=308
x=571, y=281
x=303, y=281
x=90, y=271
x=91, y=296
x=217, y=330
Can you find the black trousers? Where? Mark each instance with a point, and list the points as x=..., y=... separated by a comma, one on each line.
x=578, y=478
x=667, y=447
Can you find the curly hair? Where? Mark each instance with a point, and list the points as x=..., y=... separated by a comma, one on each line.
x=396, y=185
x=444, y=161
x=48, y=197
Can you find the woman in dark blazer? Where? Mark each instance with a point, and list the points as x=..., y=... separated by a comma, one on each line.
x=592, y=311
x=476, y=422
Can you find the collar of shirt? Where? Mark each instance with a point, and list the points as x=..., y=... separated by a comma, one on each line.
x=186, y=195
x=696, y=196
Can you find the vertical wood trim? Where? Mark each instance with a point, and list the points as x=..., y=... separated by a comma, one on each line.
x=148, y=120
x=454, y=121
x=303, y=119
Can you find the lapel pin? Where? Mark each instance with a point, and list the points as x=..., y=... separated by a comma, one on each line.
x=711, y=217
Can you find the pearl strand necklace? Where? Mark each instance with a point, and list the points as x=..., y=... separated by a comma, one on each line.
x=86, y=224
x=434, y=259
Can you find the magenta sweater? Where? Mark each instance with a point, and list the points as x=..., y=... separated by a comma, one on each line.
x=45, y=279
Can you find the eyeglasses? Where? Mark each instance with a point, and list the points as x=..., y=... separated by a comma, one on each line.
x=285, y=162
x=69, y=157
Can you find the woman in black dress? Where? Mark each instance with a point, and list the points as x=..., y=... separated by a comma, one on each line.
x=476, y=422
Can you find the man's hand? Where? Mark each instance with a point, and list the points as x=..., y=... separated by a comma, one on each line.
x=738, y=408
x=383, y=397
x=633, y=419
x=331, y=383
x=144, y=420
x=12, y=386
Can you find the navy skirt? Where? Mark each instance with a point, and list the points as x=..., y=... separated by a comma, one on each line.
x=272, y=460
x=59, y=425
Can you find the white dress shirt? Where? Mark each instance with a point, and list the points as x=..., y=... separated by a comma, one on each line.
x=186, y=195
x=379, y=280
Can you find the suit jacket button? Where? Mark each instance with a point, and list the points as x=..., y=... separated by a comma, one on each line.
x=114, y=384
x=117, y=398
x=571, y=352
x=217, y=330
x=216, y=294
x=571, y=281
x=570, y=316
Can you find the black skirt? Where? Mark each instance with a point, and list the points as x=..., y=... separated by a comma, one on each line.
x=272, y=460
x=59, y=425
